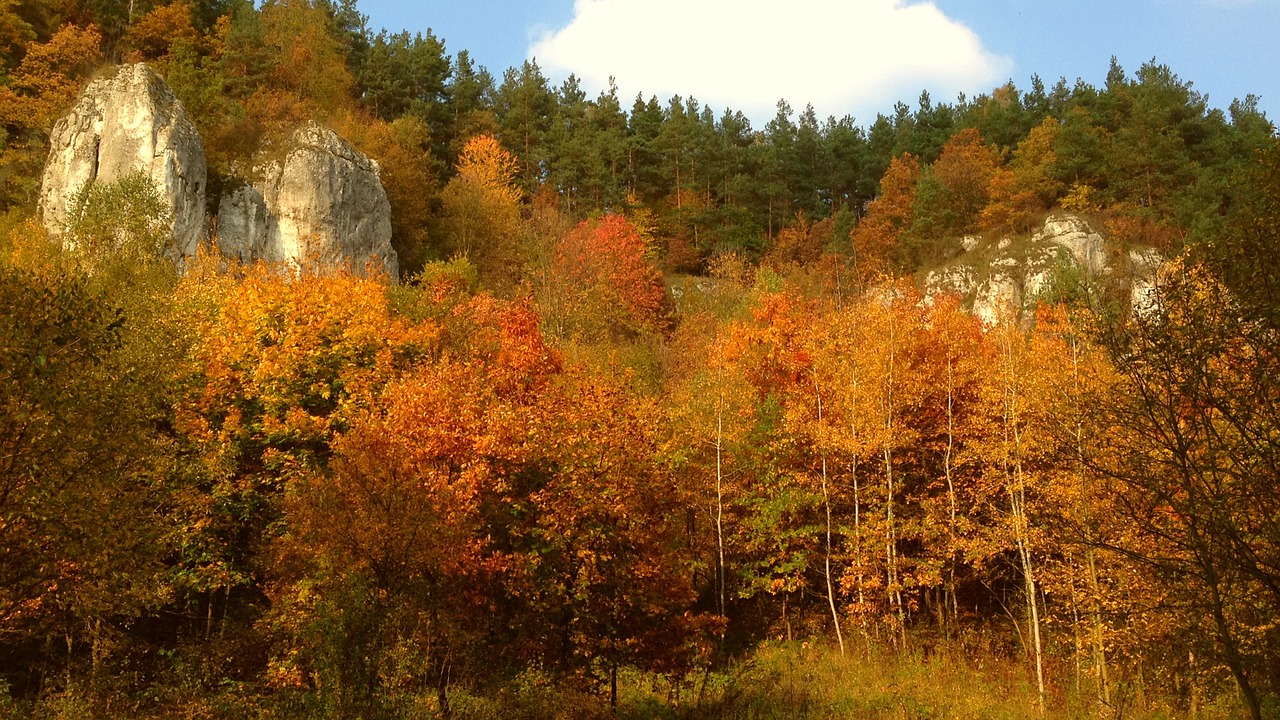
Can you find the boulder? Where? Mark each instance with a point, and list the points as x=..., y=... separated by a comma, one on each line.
x=318, y=202
x=129, y=121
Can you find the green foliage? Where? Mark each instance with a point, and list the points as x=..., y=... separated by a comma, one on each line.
x=404, y=75
x=1243, y=252
x=82, y=478
x=126, y=220
x=1067, y=284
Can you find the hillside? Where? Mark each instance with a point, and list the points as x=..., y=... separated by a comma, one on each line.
x=972, y=411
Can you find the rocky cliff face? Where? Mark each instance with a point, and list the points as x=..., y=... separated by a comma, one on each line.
x=994, y=276
x=320, y=202
x=128, y=122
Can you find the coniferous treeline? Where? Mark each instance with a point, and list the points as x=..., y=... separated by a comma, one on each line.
x=1147, y=147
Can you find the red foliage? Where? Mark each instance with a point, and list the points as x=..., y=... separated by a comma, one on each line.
x=606, y=272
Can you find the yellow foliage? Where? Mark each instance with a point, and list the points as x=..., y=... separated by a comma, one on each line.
x=485, y=162
x=481, y=211
x=154, y=34
x=1080, y=199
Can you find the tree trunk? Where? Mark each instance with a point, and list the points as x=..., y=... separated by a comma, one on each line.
x=950, y=592
x=1095, y=592
x=720, y=567
x=1017, y=489
x=893, y=586
x=826, y=504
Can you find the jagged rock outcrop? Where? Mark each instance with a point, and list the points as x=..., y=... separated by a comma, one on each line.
x=993, y=277
x=129, y=121
x=320, y=202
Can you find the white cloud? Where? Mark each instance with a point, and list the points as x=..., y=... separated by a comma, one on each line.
x=844, y=56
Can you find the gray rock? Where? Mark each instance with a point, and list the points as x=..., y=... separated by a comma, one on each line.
x=321, y=203
x=956, y=279
x=1144, y=295
x=243, y=225
x=994, y=277
x=1074, y=235
x=999, y=295
x=128, y=122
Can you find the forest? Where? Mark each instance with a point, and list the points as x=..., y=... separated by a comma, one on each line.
x=659, y=419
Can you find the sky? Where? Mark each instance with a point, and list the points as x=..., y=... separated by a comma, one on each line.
x=854, y=57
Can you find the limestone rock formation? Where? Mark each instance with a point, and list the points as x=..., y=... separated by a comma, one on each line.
x=993, y=277
x=1144, y=297
x=319, y=202
x=1074, y=235
x=128, y=122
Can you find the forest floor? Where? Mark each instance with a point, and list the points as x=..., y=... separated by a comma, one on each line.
x=801, y=680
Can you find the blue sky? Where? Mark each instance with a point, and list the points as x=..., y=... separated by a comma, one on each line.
x=855, y=57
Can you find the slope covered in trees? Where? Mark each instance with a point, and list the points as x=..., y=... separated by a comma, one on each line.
x=541, y=477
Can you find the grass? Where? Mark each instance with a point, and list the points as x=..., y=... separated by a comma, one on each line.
x=799, y=681
x=778, y=681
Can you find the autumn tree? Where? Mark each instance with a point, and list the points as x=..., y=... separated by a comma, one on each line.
x=15, y=33
x=310, y=67
x=85, y=468
x=802, y=242
x=600, y=281
x=1015, y=478
x=605, y=551
x=1022, y=191
x=877, y=240
x=964, y=170
x=43, y=85
x=786, y=526
x=1092, y=589
x=154, y=36
x=49, y=77
x=955, y=350
x=278, y=369
x=480, y=213
x=384, y=556
x=712, y=412
x=1195, y=420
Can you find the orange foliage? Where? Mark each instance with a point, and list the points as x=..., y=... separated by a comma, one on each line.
x=49, y=77
x=801, y=242
x=154, y=35
x=1128, y=230
x=604, y=280
x=278, y=368
x=876, y=239
x=965, y=168
x=1023, y=191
